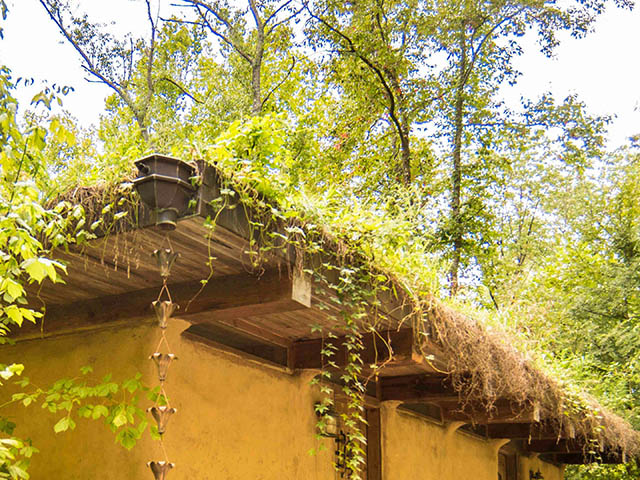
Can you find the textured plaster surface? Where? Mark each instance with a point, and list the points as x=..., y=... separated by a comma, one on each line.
x=415, y=448
x=236, y=419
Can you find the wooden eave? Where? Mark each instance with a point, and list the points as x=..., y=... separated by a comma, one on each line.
x=263, y=312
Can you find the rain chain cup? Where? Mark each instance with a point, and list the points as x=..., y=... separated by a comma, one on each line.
x=162, y=411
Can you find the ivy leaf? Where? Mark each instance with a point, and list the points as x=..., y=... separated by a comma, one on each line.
x=35, y=269
x=120, y=419
x=64, y=424
x=99, y=411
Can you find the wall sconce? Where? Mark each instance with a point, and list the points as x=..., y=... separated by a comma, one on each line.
x=535, y=476
x=330, y=428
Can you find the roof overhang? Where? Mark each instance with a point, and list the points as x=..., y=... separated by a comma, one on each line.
x=266, y=311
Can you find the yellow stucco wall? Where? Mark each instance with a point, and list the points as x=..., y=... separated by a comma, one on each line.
x=418, y=449
x=236, y=419
x=549, y=472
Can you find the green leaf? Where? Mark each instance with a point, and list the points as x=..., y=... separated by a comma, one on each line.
x=99, y=411
x=10, y=370
x=120, y=419
x=14, y=313
x=63, y=425
x=35, y=269
x=13, y=288
x=17, y=472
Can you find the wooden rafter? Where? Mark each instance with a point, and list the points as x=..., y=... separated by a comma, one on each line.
x=392, y=346
x=222, y=298
x=417, y=388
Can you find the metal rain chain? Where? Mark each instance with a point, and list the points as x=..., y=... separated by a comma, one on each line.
x=162, y=410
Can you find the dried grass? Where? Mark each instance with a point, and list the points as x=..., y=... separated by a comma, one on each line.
x=486, y=367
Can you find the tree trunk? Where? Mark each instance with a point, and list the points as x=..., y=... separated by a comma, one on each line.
x=456, y=173
x=256, y=63
x=144, y=130
x=256, y=67
x=406, y=151
x=403, y=127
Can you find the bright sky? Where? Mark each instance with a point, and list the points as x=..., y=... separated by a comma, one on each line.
x=603, y=68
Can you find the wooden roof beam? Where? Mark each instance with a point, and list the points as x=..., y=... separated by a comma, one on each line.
x=222, y=298
x=554, y=446
x=525, y=431
x=582, y=459
x=417, y=388
x=501, y=412
x=392, y=346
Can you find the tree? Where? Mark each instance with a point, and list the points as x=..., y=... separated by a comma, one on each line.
x=270, y=24
x=481, y=41
x=109, y=60
x=376, y=51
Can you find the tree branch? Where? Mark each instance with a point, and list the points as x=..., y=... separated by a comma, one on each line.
x=256, y=15
x=283, y=21
x=476, y=51
x=152, y=48
x=279, y=84
x=275, y=13
x=181, y=88
x=89, y=65
x=376, y=70
x=199, y=5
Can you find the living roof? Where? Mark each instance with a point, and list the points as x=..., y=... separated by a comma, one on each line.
x=473, y=373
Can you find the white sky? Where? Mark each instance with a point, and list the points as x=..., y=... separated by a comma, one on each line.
x=603, y=68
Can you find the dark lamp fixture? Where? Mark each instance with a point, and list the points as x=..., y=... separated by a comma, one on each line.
x=535, y=476
x=330, y=427
x=164, y=185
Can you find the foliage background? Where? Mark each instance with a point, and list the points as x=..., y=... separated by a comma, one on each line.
x=383, y=119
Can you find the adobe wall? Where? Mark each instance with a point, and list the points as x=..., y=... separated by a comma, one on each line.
x=236, y=420
x=416, y=448
x=548, y=471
